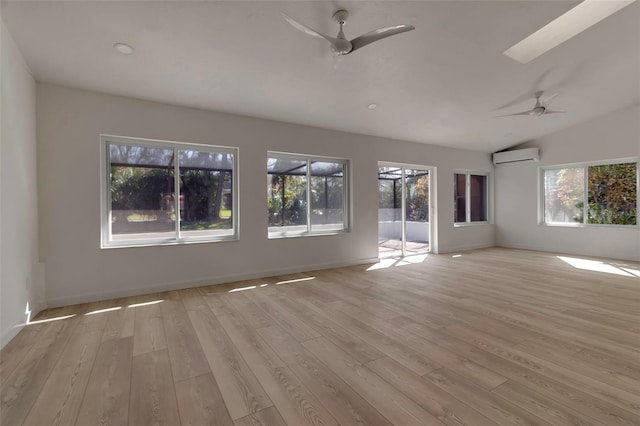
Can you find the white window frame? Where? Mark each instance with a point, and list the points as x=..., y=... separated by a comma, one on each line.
x=467, y=192
x=346, y=188
x=433, y=211
x=585, y=166
x=105, y=192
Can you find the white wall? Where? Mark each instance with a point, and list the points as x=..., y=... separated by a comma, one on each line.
x=20, y=274
x=69, y=124
x=613, y=136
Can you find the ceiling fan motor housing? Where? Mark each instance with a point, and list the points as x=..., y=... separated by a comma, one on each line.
x=341, y=46
x=538, y=111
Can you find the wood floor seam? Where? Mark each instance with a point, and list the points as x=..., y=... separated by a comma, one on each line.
x=493, y=337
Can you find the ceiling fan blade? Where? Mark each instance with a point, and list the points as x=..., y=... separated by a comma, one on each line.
x=552, y=96
x=518, y=100
x=378, y=34
x=557, y=111
x=517, y=113
x=301, y=27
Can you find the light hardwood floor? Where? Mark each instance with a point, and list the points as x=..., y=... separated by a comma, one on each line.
x=493, y=336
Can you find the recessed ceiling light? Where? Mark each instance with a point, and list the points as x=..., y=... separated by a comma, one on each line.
x=123, y=48
x=372, y=106
x=561, y=29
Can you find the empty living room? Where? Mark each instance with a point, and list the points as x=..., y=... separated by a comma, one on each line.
x=319, y=212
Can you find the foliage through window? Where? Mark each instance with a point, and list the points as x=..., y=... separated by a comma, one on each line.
x=390, y=194
x=306, y=194
x=598, y=194
x=142, y=205
x=471, y=197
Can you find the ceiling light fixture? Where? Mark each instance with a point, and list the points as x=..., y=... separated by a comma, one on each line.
x=123, y=48
x=561, y=29
x=372, y=106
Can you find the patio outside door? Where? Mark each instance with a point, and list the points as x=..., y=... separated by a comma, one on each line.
x=404, y=210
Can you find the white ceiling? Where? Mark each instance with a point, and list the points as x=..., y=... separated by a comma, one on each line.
x=440, y=84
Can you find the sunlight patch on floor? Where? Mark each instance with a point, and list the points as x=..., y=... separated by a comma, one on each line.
x=398, y=261
x=595, y=266
x=50, y=319
x=297, y=280
x=251, y=287
x=635, y=272
x=100, y=311
x=153, y=302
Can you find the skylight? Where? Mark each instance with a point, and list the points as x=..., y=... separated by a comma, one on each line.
x=561, y=29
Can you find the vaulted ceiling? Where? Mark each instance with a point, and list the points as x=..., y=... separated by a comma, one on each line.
x=441, y=84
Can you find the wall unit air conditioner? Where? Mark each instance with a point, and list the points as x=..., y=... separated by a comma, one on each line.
x=516, y=156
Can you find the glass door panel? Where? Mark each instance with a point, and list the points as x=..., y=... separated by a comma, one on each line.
x=404, y=226
x=416, y=211
x=389, y=211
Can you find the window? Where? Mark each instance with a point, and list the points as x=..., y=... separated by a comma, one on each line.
x=142, y=205
x=604, y=194
x=470, y=198
x=306, y=195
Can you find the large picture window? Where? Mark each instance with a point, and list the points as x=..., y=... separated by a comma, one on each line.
x=470, y=198
x=604, y=194
x=306, y=195
x=157, y=192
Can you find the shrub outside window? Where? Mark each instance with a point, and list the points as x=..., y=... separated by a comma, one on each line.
x=602, y=194
x=471, y=198
x=306, y=195
x=157, y=192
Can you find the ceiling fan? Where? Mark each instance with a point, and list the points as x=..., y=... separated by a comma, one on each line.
x=539, y=108
x=339, y=44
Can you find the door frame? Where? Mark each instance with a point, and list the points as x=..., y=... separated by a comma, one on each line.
x=433, y=237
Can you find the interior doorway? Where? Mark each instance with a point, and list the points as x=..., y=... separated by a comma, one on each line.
x=405, y=208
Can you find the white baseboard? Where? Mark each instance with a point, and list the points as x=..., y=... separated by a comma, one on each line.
x=569, y=252
x=465, y=248
x=107, y=295
x=10, y=334
x=37, y=307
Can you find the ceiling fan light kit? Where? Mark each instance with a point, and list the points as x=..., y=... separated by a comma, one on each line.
x=340, y=45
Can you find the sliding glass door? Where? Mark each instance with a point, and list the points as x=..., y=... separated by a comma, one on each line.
x=404, y=210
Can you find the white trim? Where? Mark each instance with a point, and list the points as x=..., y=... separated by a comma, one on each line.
x=346, y=195
x=433, y=228
x=115, y=294
x=10, y=333
x=106, y=238
x=488, y=191
x=592, y=163
x=534, y=247
x=542, y=195
x=465, y=248
x=273, y=235
x=585, y=225
x=403, y=209
x=466, y=224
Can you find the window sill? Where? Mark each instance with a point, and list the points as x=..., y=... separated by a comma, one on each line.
x=588, y=225
x=466, y=224
x=166, y=243
x=281, y=235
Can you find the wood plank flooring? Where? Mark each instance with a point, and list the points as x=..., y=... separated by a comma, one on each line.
x=486, y=337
